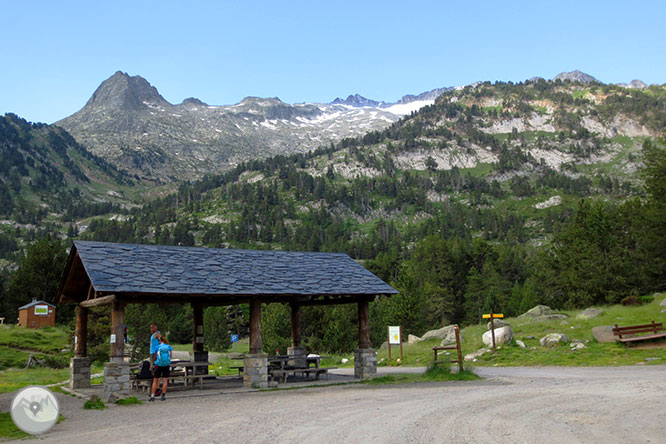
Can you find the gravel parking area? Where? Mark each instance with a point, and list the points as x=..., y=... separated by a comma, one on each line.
x=511, y=405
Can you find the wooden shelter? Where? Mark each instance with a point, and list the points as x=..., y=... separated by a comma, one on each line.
x=99, y=273
x=37, y=314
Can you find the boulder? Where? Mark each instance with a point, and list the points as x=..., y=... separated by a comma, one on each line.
x=576, y=344
x=548, y=317
x=413, y=339
x=663, y=303
x=604, y=333
x=384, y=346
x=520, y=343
x=450, y=340
x=497, y=323
x=503, y=335
x=442, y=333
x=476, y=354
x=553, y=339
x=589, y=313
x=539, y=310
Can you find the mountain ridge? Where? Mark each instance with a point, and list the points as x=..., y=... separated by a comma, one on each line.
x=130, y=124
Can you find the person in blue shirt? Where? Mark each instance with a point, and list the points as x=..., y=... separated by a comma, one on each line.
x=154, y=343
x=163, y=362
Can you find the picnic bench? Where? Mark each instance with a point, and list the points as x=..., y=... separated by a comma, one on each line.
x=181, y=371
x=629, y=332
x=279, y=368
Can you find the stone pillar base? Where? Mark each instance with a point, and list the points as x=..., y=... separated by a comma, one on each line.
x=79, y=373
x=299, y=354
x=116, y=381
x=200, y=356
x=255, y=371
x=365, y=363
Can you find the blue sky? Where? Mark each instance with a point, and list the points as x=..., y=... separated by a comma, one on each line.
x=55, y=54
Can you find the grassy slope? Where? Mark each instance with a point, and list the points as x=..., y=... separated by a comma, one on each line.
x=594, y=353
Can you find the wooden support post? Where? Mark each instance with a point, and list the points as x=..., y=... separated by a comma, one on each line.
x=255, y=327
x=81, y=344
x=364, y=324
x=492, y=329
x=117, y=324
x=458, y=347
x=198, y=333
x=295, y=325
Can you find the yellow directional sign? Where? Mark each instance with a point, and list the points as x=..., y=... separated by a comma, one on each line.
x=493, y=316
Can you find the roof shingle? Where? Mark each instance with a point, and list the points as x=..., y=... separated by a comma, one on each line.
x=131, y=268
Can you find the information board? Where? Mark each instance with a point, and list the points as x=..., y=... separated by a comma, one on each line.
x=394, y=335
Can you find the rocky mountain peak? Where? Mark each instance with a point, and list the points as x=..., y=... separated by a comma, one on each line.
x=193, y=102
x=356, y=100
x=575, y=76
x=638, y=84
x=124, y=92
x=428, y=95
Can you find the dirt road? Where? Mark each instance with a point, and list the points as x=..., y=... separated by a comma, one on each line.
x=512, y=405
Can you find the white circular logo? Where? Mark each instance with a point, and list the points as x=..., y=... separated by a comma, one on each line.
x=34, y=410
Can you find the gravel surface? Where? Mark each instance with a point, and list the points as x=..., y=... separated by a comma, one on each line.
x=511, y=405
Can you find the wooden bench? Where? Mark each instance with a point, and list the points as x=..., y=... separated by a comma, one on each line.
x=283, y=373
x=656, y=328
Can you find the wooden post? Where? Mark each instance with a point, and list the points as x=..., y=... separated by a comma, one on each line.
x=458, y=347
x=255, y=327
x=492, y=329
x=81, y=345
x=400, y=327
x=295, y=325
x=117, y=324
x=198, y=332
x=364, y=324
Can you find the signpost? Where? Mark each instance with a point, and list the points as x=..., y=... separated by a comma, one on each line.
x=492, y=316
x=394, y=337
x=234, y=339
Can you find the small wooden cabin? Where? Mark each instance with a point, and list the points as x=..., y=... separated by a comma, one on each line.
x=37, y=314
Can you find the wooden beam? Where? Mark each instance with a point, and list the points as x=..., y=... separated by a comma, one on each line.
x=81, y=346
x=255, y=327
x=104, y=300
x=338, y=300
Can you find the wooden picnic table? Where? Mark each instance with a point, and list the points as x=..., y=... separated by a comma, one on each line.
x=179, y=370
x=279, y=368
x=190, y=371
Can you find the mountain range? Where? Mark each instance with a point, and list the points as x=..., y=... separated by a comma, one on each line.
x=128, y=123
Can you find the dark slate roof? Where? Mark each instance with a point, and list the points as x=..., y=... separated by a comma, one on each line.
x=33, y=303
x=125, y=268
